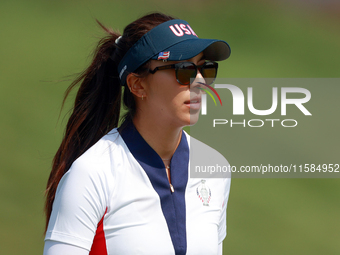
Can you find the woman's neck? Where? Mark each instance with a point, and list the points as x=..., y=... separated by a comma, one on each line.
x=162, y=137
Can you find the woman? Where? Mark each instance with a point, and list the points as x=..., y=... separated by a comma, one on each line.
x=126, y=190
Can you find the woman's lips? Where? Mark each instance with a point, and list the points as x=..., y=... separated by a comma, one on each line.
x=194, y=103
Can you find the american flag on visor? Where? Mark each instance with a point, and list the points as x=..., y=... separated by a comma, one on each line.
x=163, y=55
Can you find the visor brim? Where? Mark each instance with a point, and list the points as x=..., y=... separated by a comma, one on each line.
x=214, y=50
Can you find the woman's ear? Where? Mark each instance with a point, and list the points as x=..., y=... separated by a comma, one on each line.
x=135, y=85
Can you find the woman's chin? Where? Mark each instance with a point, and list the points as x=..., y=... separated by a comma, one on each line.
x=194, y=116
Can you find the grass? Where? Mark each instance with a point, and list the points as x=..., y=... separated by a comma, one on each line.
x=44, y=41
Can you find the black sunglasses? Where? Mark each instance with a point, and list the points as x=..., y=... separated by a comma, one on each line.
x=186, y=72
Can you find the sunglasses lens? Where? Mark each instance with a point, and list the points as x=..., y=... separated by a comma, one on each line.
x=209, y=72
x=185, y=71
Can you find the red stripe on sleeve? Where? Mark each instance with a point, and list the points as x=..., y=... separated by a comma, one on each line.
x=99, y=243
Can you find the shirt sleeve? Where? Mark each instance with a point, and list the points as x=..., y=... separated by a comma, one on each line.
x=57, y=248
x=80, y=203
x=220, y=249
x=222, y=228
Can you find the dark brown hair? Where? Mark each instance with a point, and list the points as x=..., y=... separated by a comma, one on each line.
x=97, y=105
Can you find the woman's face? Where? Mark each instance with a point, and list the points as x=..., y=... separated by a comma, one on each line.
x=170, y=102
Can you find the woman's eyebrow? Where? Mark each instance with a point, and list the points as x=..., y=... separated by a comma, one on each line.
x=201, y=59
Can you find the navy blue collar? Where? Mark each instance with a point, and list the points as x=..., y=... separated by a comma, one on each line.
x=173, y=204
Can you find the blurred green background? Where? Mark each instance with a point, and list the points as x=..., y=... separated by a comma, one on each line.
x=43, y=42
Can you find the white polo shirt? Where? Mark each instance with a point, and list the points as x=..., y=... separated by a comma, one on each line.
x=116, y=199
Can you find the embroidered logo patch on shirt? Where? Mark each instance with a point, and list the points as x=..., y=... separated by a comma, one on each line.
x=204, y=193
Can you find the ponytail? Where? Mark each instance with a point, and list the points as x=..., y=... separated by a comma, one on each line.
x=97, y=105
x=95, y=112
